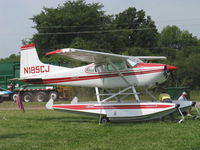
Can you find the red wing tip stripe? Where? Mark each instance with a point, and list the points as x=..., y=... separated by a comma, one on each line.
x=89, y=107
x=54, y=52
x=28, y=46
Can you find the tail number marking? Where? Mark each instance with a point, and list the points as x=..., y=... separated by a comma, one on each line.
x=36, y=69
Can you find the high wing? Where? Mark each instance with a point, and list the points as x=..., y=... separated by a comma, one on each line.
x=99, y=57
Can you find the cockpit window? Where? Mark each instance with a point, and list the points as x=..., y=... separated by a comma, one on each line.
x=120, y=65
x=100, y=68
x=91, y=68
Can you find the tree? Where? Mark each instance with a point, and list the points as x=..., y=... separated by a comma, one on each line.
x=173, y=37
x=11, y=58
x=188, y=60
x=140, y=30
x=137, y=51
x=82, y=25
x=193, y=69
x=60, y=26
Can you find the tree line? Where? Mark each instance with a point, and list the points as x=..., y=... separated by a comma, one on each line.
x=84, y=25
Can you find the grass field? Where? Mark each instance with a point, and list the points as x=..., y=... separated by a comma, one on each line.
x=50, y=130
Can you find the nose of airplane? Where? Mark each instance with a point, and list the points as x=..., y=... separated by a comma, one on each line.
x=171, y=68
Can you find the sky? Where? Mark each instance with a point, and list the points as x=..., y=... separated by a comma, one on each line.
x=15, y=24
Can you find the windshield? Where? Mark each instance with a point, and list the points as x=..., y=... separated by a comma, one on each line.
x=132, y=63
x=119, y=66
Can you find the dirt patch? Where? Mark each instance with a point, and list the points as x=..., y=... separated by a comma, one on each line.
x=26, y=108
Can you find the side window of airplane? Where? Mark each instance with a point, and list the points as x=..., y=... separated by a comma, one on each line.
x=91, y=68
x=110, y=68
x=100, y=68
x=119, y=65
x=97, y=68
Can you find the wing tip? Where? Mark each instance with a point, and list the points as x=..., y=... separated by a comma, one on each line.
x=151, y=57
x=54, y=52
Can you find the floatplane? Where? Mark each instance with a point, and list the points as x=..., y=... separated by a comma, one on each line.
x=105, y=71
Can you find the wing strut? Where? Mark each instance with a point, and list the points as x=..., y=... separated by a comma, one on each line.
x=136, y=95
x=97, y=94
x=125, y=80
x=119, y=73
x=149, y=93
x=114, y=95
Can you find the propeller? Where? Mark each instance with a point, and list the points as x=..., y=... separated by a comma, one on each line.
x=166, y=72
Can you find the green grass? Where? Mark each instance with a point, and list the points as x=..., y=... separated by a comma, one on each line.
x=195, y=95
x=12, y=104
x=7, y=104
x=50, y=130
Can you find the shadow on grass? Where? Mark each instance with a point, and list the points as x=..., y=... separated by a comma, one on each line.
x=10, y=136
x=83, y=118
x=73, y=119
x=78, y=119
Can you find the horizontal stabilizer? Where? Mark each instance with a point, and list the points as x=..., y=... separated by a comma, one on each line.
x=27, y=79
x=32, y=80
x=49, y=104
x=74, y=100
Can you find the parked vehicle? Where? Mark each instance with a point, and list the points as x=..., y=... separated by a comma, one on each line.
x=4, y=93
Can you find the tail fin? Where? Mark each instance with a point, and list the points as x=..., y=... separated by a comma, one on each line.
x=31, y=66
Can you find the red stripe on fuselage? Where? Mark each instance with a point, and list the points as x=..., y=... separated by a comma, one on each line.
x=93, y=107
x=91, y=77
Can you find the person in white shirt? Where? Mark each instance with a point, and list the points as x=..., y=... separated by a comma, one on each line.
x=183, y=97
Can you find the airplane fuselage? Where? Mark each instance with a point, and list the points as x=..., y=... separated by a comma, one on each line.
x=142, y=74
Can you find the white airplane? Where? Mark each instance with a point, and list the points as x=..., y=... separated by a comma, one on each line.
x=106, y=71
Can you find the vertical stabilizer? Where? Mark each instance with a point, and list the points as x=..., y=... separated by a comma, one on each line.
x=31, y=66
x=29, y=61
